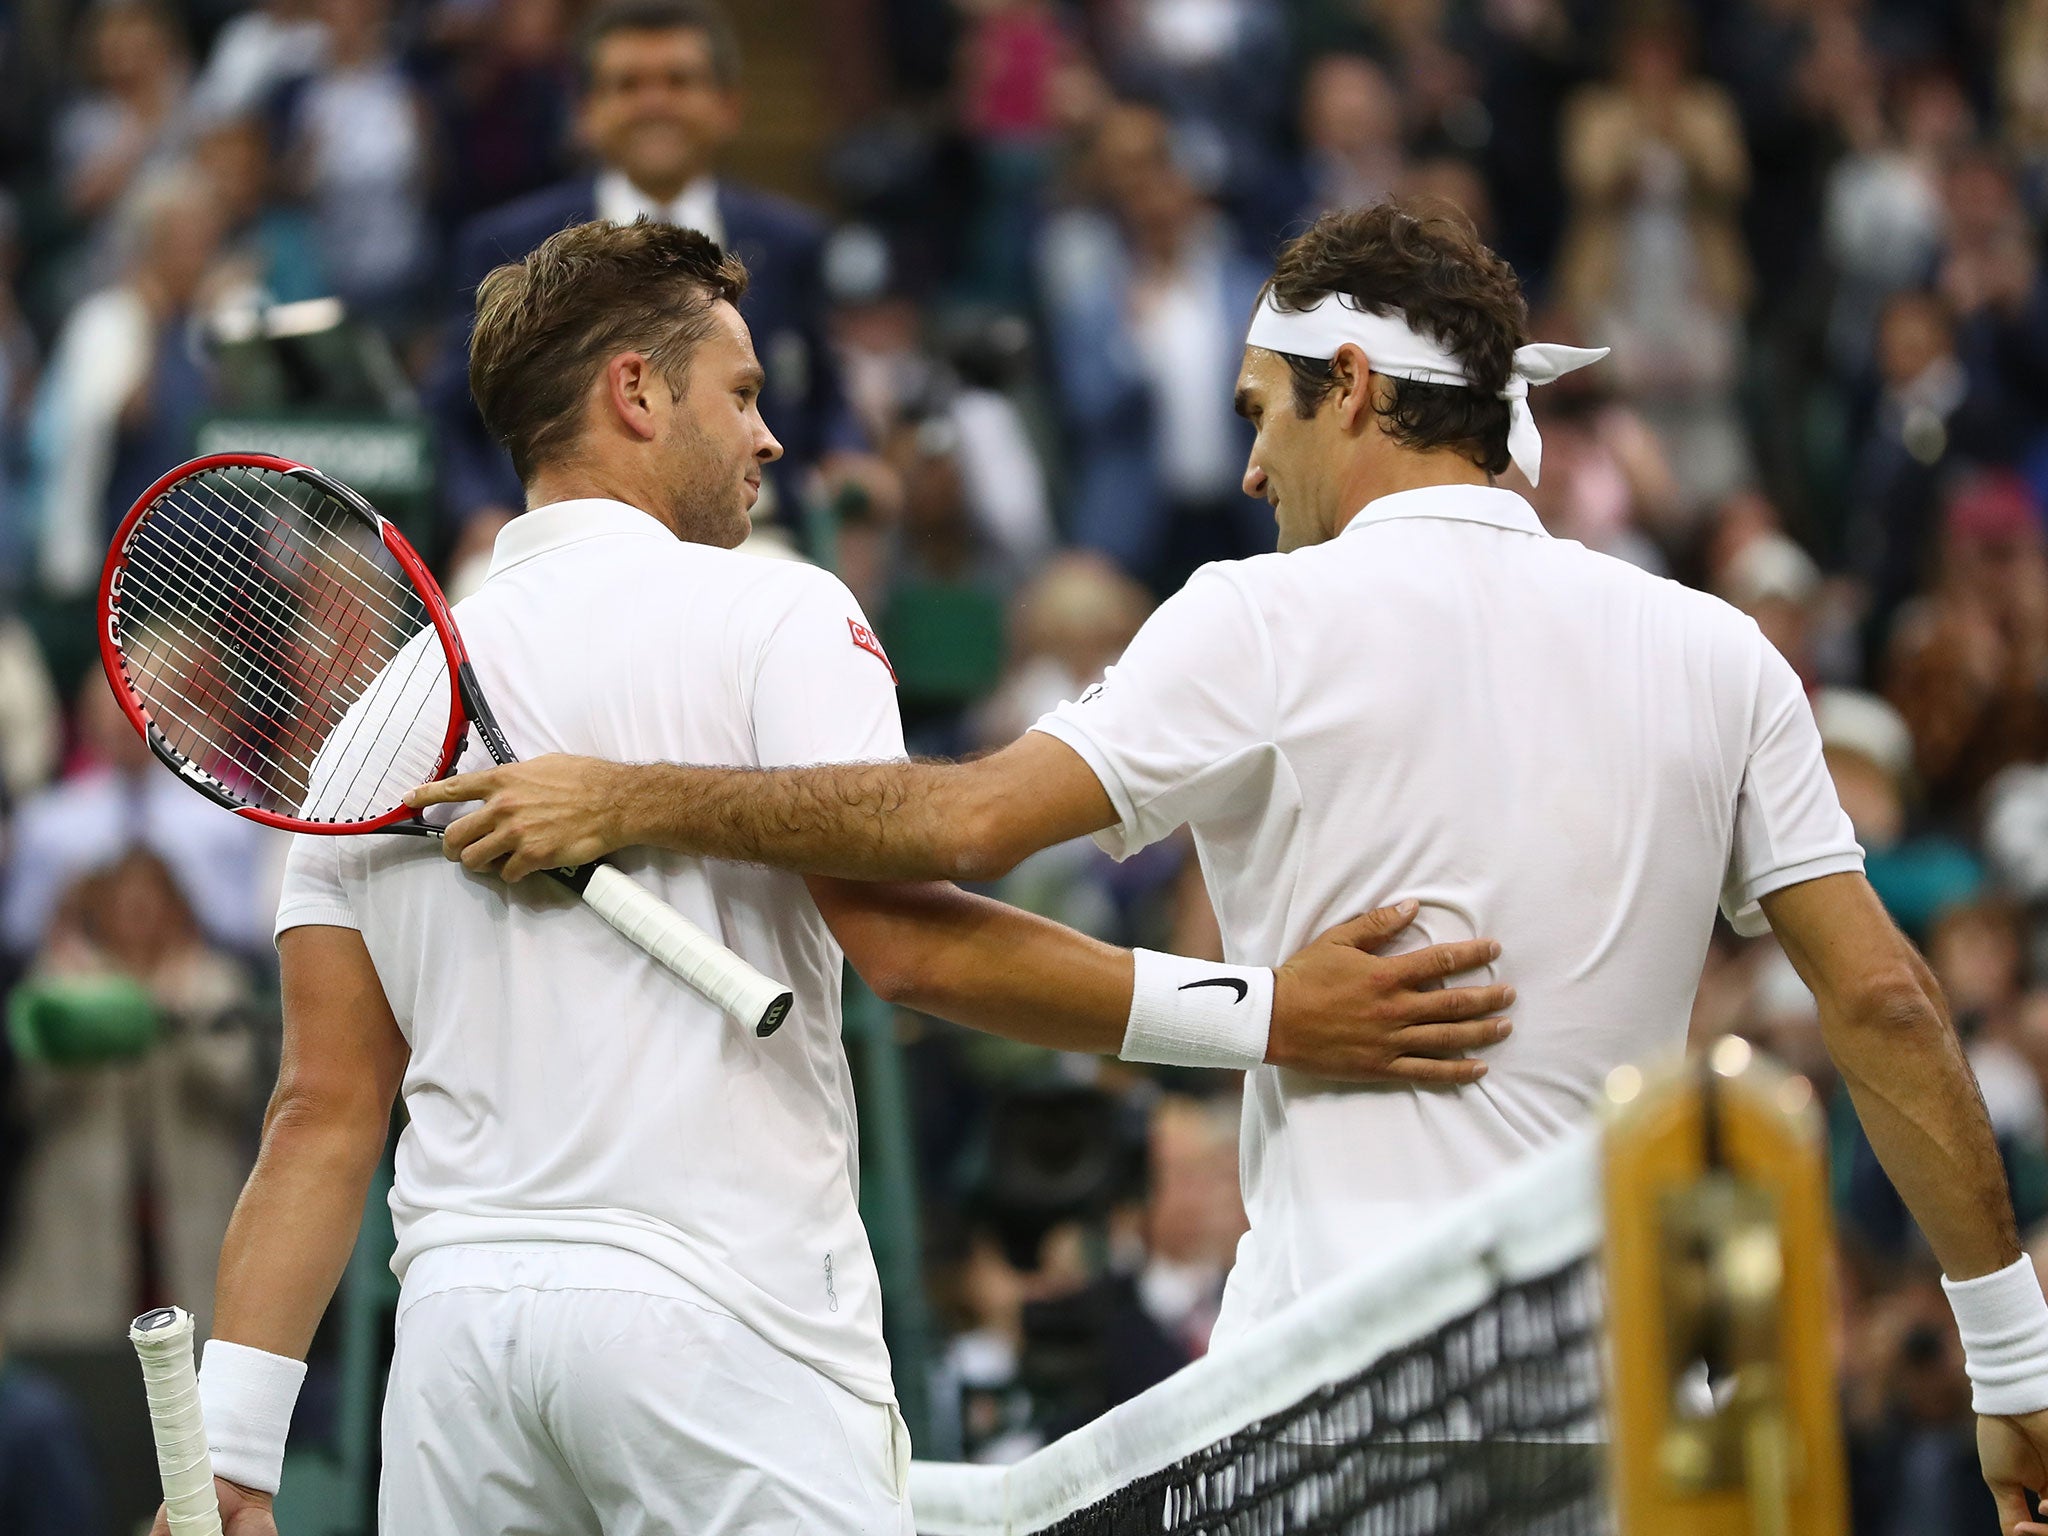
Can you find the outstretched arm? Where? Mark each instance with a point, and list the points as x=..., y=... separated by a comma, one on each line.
x=295, y=1224
x=856, y=821
x=1888, y=1031
x=1339, y=1010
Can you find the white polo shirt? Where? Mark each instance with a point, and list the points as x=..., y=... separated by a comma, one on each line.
x=563, y=1087
x=1540, y=744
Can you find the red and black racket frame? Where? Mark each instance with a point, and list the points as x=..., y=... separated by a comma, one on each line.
x=466, y=703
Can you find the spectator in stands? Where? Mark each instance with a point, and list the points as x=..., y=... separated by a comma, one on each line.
x=30, y=726
x=1066, y=629
x=48, y=1483
x=256, y=54
x=357, y=135
x=1607, y=481
x=123, y=1121
x=1977, y=951
x=506, y=102
x=1353, y=148
x=661, y=99
x=898, y=373
x=126, y=384
x=273, y=251
x=119, y=800
x=1883, y=214
x=1924, y=419
x=1011, y=57
x=1146, y=298
x=1217, y=70
x=1917, y=872
x=1194, y=1215
x=1457, y=181
x=1991, y=276
x=132, y=127
x=1775, y=582
x=1912, y=1438
x=1967, y=662
x=18, y=359
x=1653, y=261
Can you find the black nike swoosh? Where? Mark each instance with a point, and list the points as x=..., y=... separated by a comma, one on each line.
x=1242, y=987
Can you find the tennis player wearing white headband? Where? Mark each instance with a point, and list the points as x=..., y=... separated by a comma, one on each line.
x=1423, y=694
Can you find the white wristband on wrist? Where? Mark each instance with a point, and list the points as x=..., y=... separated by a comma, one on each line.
x=1196, y=1013
x=246, y=1397
x=2003, y=1319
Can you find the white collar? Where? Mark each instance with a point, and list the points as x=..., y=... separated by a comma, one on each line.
x=695, y=207
x=1487, y=504
x=562, y=523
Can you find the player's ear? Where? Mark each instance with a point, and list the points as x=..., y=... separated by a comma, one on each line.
x=1351, y=394
x=635, y=391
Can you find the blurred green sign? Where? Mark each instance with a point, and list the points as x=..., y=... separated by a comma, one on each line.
x=389, y=462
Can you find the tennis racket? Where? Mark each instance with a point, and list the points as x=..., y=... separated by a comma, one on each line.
x=163, y=1342
x=283, y=649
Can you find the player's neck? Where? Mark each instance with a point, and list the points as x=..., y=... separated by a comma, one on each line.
x=577, y=482
x=1388, y=473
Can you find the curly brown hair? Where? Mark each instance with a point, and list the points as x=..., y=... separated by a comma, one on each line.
x=545, y=325
x=1424, y=258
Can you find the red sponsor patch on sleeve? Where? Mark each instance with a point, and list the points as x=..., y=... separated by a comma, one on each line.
x=865, y=639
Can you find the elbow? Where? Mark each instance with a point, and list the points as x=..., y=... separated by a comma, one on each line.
x=308, y=1121
x=981, y=852
x=1891, y=1004
x=894, y=983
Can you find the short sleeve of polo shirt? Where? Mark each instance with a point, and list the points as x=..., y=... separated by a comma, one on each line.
x=1789, y=823
x=1185, y=718
x=312, y=894
x=824, y=691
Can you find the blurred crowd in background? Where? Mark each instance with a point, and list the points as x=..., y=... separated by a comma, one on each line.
x=1003, y=254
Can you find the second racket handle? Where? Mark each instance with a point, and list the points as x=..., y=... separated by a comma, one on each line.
x=163, y=1342
x=742, y=992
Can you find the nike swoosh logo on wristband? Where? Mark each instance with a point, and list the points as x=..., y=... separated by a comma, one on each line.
x=1235, y=983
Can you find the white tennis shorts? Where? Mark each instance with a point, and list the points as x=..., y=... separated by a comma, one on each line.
x=534, y=1392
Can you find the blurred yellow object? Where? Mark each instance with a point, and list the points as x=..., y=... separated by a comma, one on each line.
x=1718, y=1281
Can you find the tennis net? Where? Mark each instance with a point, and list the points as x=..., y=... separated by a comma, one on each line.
x=1453, y=1389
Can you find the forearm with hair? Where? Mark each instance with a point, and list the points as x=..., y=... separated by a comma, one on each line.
x=1918, y=1102
x=856, y=821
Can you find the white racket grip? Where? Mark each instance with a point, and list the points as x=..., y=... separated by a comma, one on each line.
x=721, y=976
x=163, y=1343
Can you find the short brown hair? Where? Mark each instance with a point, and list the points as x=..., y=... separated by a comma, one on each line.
x=546, y=324
x=1423, y=258
x=662, y=16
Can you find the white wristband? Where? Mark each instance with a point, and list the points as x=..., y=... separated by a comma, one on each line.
x=1195, y=1013
x=246, y=1397
x=2003, y=1319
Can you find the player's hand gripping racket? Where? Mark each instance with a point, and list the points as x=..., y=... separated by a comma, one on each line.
x=284, y=649
x=163, y=1342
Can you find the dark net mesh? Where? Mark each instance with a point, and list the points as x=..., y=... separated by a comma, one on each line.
x=1483, y=1428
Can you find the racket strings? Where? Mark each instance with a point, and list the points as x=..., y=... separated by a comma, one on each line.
x=266, y=629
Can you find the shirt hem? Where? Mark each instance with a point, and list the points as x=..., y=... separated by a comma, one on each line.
x=1748, y=919
x=314, y=914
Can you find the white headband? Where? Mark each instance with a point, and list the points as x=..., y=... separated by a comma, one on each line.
x=1391, y=347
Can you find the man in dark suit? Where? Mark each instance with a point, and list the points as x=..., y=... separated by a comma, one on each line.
x=660, y=99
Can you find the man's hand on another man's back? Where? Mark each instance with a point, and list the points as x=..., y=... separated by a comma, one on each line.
x=1341, y=1011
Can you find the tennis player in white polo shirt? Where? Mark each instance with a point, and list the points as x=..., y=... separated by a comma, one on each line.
x=637, y=1297
x=1423, y=693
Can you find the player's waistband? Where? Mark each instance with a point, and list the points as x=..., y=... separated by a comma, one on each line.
x=544, y=1266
